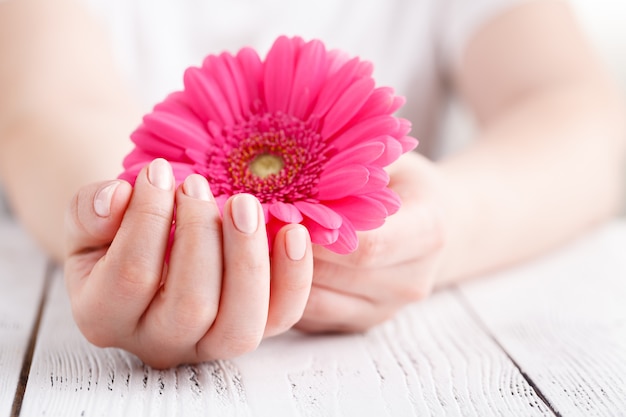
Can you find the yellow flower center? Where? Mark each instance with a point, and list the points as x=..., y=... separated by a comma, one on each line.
x=266, y=164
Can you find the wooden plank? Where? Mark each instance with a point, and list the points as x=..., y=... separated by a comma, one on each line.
x=563, y=321
x=22, y=268
x=433, y=359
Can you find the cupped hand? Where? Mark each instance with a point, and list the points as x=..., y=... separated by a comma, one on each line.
x=213, y=297
x=394, y=265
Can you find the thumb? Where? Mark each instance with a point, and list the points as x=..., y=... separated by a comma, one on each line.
x=94, y=215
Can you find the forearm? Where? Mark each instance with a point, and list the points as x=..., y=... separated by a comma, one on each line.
x=65, y=117
x=546, y=170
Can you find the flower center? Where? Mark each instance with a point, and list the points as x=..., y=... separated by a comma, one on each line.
x=266, y=164
x=274, y=156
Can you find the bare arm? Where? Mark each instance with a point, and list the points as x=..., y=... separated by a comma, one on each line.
x=546, y=166
x=549, y=161
x=64, y=117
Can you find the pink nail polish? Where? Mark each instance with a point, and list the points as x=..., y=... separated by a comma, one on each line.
x=160, y=174
x=295, y=243
x=196, y=186
x=102, y=200
x=245, y=212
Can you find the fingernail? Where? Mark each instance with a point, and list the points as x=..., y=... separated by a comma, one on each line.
x=196, y=186
x=245, y=212
x=295, y=243
x=160, y=174
x=102, y=200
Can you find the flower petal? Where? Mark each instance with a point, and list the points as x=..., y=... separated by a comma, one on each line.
x=285, y=212
x=408, y=143
x=362, y=154
x=365, y=131
x=347, y=241
x=337, y=83
x=342, y=182
x=308, y=79
x=346, y=106
x=364, y=212
x=393, y=150
x=205, y=97
x=320, y=214
x=176, y=130
x=388, y=198
x=251, y=69
x=278, y=74
x=218, y=68
x=378, y=179
x=319, y=234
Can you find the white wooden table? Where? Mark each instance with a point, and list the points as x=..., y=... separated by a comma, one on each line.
x=544, y=339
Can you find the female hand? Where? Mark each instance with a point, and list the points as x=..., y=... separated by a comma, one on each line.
x=214, y=298
x=393, y=265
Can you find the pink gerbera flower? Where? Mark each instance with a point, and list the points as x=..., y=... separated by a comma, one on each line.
x=306, y=131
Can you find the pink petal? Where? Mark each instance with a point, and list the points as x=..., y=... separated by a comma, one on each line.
x=252, y=70
x=319, y=234
x=218, y=67
x=388, y=198
x=337, y=83
x=393, y=150
x=366, y=130
x=408, y=143
x=347, y=106
x=205, y=97
x=181, y=171
x=149, y=147
x=157, y=147
x=285, y=212
x=347, y=241
x=278, y=74
x=320, y=214
x=173, y=129
x=379, y=102
x=239, y=81
x=342, y=182
x=308, y=79
x=377, y=180
x=361, y=154
x=363, y=212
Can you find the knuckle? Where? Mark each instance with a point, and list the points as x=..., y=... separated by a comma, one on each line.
x=234, y=342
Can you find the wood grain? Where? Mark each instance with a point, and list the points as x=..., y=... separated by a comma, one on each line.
x=567, y=325
x=432, y=360
x=22, y=269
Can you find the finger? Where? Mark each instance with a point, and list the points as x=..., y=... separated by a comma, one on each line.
x=414, y=231
x=328, y=310
x=187, y=304
x=399, y=284
x=92, y=219
x=242, y=314
x=125, y=280
x=292, y=272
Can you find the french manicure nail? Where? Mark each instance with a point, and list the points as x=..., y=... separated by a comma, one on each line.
x=295, y=243
x=196, y=186
x=160, y=174
x=102, y=200
x=245, y=212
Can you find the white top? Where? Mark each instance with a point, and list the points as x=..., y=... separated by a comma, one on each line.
x=413, y=44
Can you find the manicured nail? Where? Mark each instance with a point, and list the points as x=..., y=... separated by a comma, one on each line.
x=245, y=212
x=160, y=174
x=295, y=243
x=102, y=200
x=196, y=186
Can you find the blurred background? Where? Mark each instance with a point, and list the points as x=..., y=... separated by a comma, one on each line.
x=604, y=22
